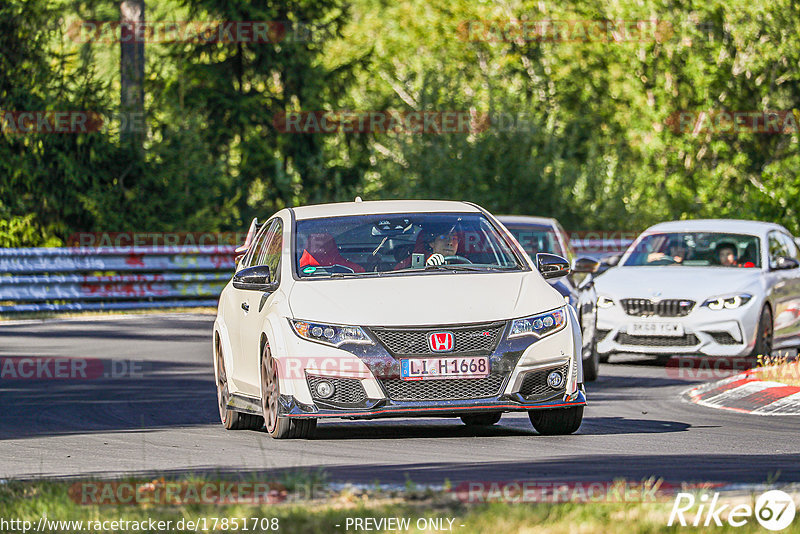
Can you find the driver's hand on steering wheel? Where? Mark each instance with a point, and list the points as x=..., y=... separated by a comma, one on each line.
x=435, y=259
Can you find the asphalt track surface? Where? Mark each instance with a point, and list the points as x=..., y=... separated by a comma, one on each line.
x=163, y=419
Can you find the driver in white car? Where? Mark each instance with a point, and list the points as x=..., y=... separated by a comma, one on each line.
x=443, y=245
x=437, y=243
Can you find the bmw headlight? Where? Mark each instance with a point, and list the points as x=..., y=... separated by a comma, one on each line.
x=540, y=325
x=729, y=303
x=604, y=302
x=329, y=334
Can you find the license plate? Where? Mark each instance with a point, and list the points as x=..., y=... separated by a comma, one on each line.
x=655, y=329
x=444, y=368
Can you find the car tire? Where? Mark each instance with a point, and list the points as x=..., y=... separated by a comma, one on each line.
x=481, y=419
x=557, y=422
x=764, y=334
x=231, y=419
x=279, y=427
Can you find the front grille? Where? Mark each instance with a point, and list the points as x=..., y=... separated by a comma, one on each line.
x=601, y=334
x=435, y=390
x=414, y=341
x=723, y=338
x=686, y=340
x=535, y=382
x=345, y=390
x=661, y=308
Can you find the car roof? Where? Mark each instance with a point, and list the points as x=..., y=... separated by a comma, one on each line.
x=717, y=225
x=374, y=207
x=525, y=219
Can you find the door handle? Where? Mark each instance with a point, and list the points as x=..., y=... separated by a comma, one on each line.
x=245, y=306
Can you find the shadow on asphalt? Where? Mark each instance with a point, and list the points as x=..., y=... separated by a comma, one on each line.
x=675, y=469
x=154, y=395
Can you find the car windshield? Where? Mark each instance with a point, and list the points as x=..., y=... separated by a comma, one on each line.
x=697, y=249
x=536, y=238
x=388, y=243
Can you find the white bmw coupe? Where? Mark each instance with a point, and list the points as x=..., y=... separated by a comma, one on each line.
x=704, y=287
x=363, y=310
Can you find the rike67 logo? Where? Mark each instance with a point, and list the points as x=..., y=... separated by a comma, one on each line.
x=774, y=510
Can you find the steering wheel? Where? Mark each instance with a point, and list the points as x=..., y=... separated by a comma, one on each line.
x=666, y=260
x=456, y=260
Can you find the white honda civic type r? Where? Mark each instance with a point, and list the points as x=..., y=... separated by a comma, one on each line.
x=363, y=310
x=702, y=287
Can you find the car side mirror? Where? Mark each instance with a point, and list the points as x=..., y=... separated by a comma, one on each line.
x=585, y=265
x=608, y=262
x=785, y=262
x=254, y=279
x=552, y=266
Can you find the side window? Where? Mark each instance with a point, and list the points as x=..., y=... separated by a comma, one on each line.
x=257, y=249
x=789, y=245
x=777, y=249
x=271, y=252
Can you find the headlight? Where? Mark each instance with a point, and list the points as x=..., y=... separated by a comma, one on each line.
x=729, y=303
x=604, y=302
x=540, y=325
x=329, y=334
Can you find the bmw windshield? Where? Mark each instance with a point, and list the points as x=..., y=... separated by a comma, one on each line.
x=697, y=249
x=400, y=243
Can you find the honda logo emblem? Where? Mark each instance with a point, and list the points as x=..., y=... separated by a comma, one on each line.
x=440, y=341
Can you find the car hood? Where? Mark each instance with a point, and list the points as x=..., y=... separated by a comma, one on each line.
x=695, y=283
x=425, y=299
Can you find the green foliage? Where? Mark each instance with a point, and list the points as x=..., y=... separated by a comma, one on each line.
x=587, y=134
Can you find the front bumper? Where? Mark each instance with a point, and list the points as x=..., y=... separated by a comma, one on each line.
x=383, y=408
x=369, y=378
x=705, y=332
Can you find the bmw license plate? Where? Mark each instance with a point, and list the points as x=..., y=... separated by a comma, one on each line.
x=444, y=368
x=655, y=329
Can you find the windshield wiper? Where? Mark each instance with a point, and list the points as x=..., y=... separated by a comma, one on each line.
x=365, y=273
x=465, y=267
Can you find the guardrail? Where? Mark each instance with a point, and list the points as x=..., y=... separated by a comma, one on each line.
x=118, y=278
x=112, y=278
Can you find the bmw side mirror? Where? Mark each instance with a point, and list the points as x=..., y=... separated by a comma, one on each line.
x=552, y=266
x=608, y=262
x=254, y=279
x=585, y=265
x=785, y=262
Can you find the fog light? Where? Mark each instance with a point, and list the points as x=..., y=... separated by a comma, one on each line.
x=324, y=389
x=555, y=379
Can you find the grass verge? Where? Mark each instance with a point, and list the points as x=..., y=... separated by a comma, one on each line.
x=337, y=511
